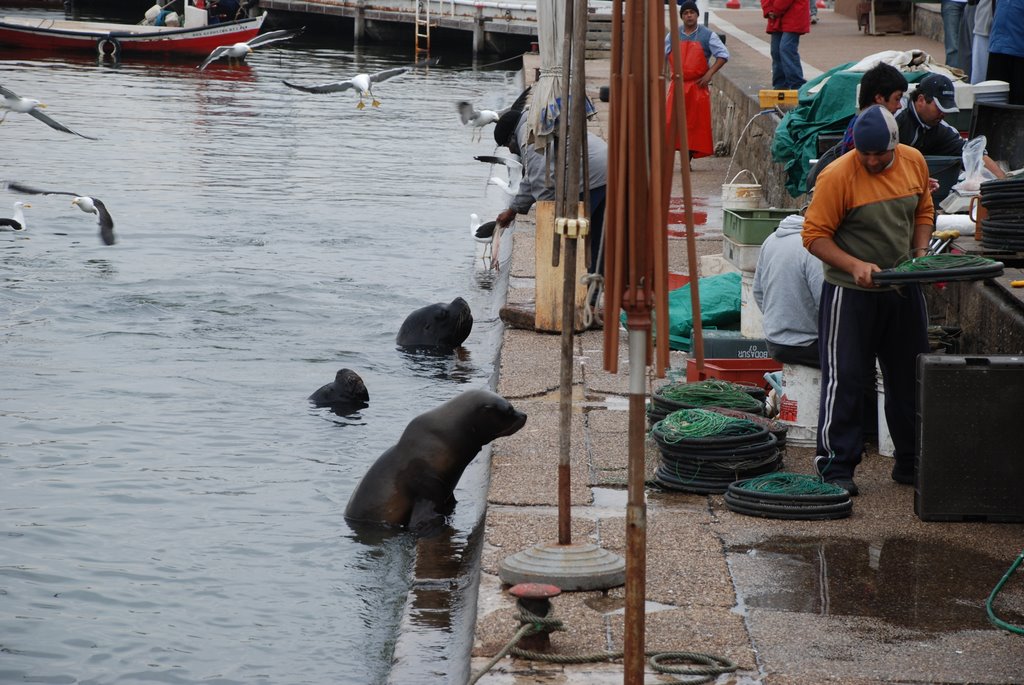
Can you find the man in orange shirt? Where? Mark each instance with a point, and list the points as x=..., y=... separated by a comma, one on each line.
x=871, y=210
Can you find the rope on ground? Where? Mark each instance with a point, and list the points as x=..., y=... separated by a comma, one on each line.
x=996, y=621
x=702, y=667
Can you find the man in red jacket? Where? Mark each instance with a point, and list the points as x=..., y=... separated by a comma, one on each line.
x=787, y=21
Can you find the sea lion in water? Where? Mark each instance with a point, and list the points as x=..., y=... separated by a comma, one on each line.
x=437, y=326
x=411, y=484
x=346, y=394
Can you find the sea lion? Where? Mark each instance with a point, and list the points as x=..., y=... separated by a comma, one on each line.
x=437, y=326
x=345, y=395
x=411, y=483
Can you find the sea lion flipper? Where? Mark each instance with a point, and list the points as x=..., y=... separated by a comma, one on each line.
x=425, y=521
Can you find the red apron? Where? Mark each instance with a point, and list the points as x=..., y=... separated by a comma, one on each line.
x=698, y=100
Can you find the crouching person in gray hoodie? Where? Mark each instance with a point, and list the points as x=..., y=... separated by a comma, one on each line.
x=787, y=287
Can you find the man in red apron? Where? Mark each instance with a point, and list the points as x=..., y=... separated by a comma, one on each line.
x=698, y=45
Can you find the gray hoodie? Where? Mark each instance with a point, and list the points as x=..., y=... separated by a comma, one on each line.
x=787, y=286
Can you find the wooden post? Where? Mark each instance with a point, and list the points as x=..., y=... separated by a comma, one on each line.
x=548, y=287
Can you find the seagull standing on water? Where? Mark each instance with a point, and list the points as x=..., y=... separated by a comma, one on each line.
x=12, y=102
x=90, y=205
x=362, y=83
x=239, y=51
x=17, y=222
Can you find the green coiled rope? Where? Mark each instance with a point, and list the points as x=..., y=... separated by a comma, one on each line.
x=712, y=392
x=783, y=483
x=996, y=621
x=701, y=423
x=943, y=260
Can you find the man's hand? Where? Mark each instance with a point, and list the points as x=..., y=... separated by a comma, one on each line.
x=861, y=273
x=505, y=218
x=933, y=185
x=704, y=81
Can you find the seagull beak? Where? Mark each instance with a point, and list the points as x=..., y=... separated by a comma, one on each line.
x=43, y=105
x=27, y=206
x=248, y=49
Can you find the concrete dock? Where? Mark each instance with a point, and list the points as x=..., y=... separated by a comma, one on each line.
x=879, y=597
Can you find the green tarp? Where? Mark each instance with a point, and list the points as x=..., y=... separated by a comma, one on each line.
x=825, y=105
x=719, y=308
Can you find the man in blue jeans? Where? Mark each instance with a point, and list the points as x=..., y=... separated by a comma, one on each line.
x=787, y=21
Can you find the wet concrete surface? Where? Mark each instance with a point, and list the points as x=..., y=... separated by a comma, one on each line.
x=879, y=597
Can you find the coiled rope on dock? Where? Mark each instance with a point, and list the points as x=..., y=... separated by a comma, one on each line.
x=701, y=667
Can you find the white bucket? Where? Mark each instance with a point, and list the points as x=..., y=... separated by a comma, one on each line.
x=741, y=195
x=886, y=447
x=798, y=408
x=751, y=320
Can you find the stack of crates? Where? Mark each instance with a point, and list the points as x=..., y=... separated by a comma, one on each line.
x=744, y=231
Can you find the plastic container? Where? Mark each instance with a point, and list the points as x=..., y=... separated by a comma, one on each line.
x=741, y=195
x=729, y=344
x=798, y=406
x=752, y=226
x=778, y=98
x=743, y=257
x=751, y=319
x=749, y=371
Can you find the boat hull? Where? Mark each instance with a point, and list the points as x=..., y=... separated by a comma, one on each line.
x=120, y=40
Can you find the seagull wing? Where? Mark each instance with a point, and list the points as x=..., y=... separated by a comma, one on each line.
x=466, y=112
x=273, y=37
x=8, y=93
x=105, y=221
x=323, y=87
x=217, y=53
x=54, y=124
x=20, y=187
x=485, y=231
x=387, y=73
x=493, y=159
x=520, y=102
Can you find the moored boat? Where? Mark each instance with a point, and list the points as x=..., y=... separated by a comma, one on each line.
x=196, y=36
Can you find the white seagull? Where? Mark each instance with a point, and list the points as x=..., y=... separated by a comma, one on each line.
x=363, y=83
x=482, y=117
x=90, y=205
x=483, y=234
x=12, y=102
x=240, y=51
x=17, y=222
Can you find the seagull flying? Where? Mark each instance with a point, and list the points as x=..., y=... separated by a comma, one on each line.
x=363, y=83
x=17, y=222
x=90, y=205
x=483, y=117
x=512, y=164
x=240, y=51
x=12, y=102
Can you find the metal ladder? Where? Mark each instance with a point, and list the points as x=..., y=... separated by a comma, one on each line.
x=422, y=28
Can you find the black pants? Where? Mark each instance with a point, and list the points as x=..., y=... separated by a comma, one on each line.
x=855, y=327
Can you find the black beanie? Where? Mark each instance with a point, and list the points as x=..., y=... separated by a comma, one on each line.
x=688, y=5
x=505, y=128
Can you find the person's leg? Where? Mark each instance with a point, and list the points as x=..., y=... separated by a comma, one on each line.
x=778, y=74
x=903, y=335
x=979, y=59
x=597, y=204
x=965, y=50
x=846, y=327
x=952, y=12
x=790, y=51
x=814, y=11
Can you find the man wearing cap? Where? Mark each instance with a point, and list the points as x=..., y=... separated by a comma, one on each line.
x=922, y=126
x=871, y=210
x=697, y=46
x=538, y=171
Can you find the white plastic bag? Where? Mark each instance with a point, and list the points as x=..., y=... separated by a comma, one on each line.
x=975, y=172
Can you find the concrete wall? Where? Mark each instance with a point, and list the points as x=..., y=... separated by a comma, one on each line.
x=743, y=130
x=991, y=317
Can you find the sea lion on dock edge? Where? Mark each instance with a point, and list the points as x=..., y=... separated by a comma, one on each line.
x=412, y=482
x=345, y=395
x=437, y=326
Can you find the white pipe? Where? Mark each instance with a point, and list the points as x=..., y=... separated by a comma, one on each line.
x=637, y=362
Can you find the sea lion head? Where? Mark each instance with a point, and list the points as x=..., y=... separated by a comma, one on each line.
x=437, y=325
x=347, y=389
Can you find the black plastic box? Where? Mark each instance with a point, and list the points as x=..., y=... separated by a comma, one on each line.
x=970, y=438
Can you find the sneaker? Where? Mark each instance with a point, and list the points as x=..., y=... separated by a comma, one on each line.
x=814, y=20
x=903, y=473
x=846, y=484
